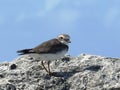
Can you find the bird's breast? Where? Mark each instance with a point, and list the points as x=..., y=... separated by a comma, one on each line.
x=55, y=56
x=49, y=56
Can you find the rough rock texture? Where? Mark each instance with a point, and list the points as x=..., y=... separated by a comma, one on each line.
x=85, y=72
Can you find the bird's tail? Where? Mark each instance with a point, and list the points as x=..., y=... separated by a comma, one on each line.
x=24, y=51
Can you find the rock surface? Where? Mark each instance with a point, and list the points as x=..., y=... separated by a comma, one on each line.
x=85, y=72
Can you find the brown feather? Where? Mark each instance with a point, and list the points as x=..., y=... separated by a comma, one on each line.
x=51, y=46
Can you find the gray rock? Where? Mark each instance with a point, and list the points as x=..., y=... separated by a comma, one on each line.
x=85, y=72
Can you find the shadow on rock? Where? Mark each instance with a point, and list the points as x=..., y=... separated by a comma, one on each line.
x=64, y=74
x=94, y=68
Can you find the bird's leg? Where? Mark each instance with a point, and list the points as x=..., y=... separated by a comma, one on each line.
x=49, y=68
x=44, y=66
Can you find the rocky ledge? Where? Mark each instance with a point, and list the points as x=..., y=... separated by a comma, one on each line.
x=85, y=72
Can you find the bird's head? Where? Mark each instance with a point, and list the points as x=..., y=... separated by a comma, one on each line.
x=64, y=38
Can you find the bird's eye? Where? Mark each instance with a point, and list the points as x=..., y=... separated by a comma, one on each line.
x=61, y=38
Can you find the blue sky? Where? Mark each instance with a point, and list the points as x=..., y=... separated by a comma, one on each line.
x=92, y=24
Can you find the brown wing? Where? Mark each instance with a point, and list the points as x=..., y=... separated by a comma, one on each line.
x=51, y=46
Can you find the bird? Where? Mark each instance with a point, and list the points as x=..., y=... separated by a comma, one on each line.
x=50, y=50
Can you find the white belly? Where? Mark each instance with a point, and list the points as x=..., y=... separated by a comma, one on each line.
x=48, y=57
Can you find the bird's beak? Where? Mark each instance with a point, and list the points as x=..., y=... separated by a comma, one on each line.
x=69, y=41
